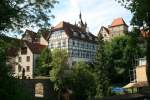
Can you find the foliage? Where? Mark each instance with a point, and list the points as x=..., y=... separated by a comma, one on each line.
x=122, y=53
x=141, y=18
x=43, y=63
x=81, y=81
x=16, y=14
x=101, y=69
x=59, y=64
x=140, y=10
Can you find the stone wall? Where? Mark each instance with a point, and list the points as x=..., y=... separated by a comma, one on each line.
x=39, y=89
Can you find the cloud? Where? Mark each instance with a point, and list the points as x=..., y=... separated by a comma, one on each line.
x=95, y=12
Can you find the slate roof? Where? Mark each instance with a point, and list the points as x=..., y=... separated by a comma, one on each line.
x=70, y=29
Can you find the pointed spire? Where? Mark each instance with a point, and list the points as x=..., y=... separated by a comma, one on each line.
x=81, y=22
x=80, y=16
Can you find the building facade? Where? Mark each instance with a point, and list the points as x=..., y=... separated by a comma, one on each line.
x=23, y=59
x=79, y=43
x=26, y=59
x=138, y=77
x=117, y=28
x=141, y=70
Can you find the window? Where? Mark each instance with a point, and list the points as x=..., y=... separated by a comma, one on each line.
x=57, y=34
x=51, y=45
x=28, y=58
x=75, y=34
x=59, y=44
x=73, y=43
x=19, y=59
x=19, y=68
x=64, y=43
x=24, y=50
x=90, y=37
x=82, y=35
x=28, y=68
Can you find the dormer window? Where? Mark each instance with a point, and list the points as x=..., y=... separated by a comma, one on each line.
x=75, y=34
x=82, y=36
x=24, y=50
x=90, y=37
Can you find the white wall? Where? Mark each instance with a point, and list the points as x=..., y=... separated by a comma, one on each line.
x=24, y=64
x=43, y=41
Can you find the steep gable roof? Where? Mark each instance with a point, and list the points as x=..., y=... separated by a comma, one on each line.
x=36, y=48
x=106, y=29
x=70, y=29
x=118, y=22
x=46, y=35
x=29, y=32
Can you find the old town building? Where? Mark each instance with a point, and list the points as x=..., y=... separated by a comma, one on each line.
x=76, y=39
x=117, y=28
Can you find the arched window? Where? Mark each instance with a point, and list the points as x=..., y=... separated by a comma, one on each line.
x=39, y=90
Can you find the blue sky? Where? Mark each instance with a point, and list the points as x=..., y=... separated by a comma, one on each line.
x=96, y=13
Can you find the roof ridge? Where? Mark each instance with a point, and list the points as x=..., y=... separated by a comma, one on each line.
x=118, y=21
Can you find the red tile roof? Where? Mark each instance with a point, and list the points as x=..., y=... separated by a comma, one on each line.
x=70, y=29
x=36, y=48
x=118, y=22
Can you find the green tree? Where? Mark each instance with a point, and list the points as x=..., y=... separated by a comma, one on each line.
x=43, y=63
x=84, y=82
x=59, y=65
x=141, y=18
x=101, y=69
x=122, y=52
x=16, y=14
x=81, y=81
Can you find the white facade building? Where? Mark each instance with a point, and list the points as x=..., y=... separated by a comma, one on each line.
x=80, y=44
x=26, y=59
x=23, y=59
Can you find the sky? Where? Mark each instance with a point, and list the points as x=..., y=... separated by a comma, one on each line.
x=96, y=13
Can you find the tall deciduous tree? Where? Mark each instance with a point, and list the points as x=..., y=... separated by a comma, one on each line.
x=43, y=63
x=16, y=14
x=101, y=69
x=59, y=65
x=81, y=81
x=141, y=18
x=121, y=54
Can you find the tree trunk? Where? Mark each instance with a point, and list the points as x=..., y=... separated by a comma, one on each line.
x=148, y=58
